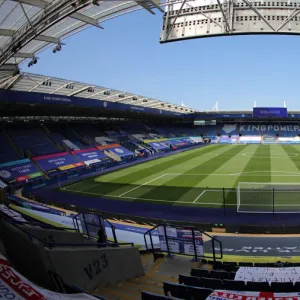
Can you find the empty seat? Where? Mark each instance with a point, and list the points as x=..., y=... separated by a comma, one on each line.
x=212, y=283
x=229, y=266
x=282, y=287
x=232, y=275
x=151, y=296
x=200, y=272
x=258, y=286
x=218, y=265
x=234, y=285
x=219, y=274
x=189, y=280
x=176, y=290
x=199, y=293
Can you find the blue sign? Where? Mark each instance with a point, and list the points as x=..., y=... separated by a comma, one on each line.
x=19, y=170
x=270, y=112
x=55, y=163
x=90, y=156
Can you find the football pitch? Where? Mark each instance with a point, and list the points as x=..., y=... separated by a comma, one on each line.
x=208, y=177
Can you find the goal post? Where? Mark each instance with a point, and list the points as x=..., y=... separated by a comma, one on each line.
x=262, y=197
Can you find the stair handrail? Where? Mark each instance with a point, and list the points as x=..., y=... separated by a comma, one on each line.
x=192, y=228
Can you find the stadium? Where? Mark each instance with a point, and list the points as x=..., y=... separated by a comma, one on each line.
x=111, y=194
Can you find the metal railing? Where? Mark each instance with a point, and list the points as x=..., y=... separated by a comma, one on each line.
x=101, y=221
x=192, y=229
x=54, y=244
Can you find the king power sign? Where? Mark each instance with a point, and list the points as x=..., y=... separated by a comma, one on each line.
x=271, y=128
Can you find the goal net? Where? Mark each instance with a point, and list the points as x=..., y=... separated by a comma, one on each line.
x=259, y=197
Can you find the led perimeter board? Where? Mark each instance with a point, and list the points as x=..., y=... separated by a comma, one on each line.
x=201, y=18
x=270, y=112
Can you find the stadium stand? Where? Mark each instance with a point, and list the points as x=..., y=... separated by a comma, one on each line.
x=7, y=150
x=31, y=140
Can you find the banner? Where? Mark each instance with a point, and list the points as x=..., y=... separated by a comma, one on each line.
x=90, y=156
x=230, y=295
x=268, y=274
x=180, y=240
x=19, y=170
x=14, y=286
x=270, y=112
x=57, y=162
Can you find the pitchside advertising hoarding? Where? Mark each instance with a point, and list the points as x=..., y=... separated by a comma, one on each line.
x=180, y=240
x=19, y=170
x=90, y=156
x=58, y=162
x=263, y=112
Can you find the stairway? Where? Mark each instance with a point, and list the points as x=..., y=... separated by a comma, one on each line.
x=163, y=269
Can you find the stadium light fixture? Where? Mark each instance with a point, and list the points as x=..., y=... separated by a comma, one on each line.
x=57, y=48
x=33, y=62
x=95, y=2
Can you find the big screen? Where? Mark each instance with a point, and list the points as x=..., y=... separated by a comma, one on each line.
x=261, y=112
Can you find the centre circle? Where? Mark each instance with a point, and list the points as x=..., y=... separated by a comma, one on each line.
x=250, y=154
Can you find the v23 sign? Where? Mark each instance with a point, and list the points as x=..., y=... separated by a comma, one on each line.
x=95, y=268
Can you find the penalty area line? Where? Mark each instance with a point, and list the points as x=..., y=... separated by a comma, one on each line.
x=203, y=192
x=137, y=187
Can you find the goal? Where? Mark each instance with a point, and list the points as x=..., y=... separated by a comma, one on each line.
x=261, y=197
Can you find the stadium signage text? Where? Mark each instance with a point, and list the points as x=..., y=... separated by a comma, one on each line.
x=60, y=99
x=292, y=128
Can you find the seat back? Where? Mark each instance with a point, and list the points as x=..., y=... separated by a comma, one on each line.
x=199, y=293
x=212, y=283
x=219, y=274
x=234, y=285
x=258, y=286
x=176, y=290
x=200, y=273
x=189, y=280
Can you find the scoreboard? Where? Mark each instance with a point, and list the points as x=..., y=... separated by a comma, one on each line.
x=204, y=122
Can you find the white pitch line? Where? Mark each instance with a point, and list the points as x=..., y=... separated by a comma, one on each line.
x=137, y=187
x=203, y=192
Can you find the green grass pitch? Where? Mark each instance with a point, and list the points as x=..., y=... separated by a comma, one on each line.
x=197, y=178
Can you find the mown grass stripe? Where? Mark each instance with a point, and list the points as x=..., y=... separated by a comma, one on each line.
x=179, y=185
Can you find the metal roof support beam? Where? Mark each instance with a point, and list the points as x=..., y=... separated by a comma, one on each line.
x=114, y=95
x=178, y=13
x=293, y=14
x=14, y=80
x=80, y=90
x=86, y=19
x=61, y=87
x=259, y=14
x=224, y=16
x=125, y=98
x=78, y=16
x=95, y=94
x=24, y=55
x=42, y=38
x=39, y=83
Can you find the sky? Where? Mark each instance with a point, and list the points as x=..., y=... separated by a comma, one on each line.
x=233, y=71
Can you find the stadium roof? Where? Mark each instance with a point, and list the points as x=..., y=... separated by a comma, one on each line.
x=29, y=26
x=44, y=84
